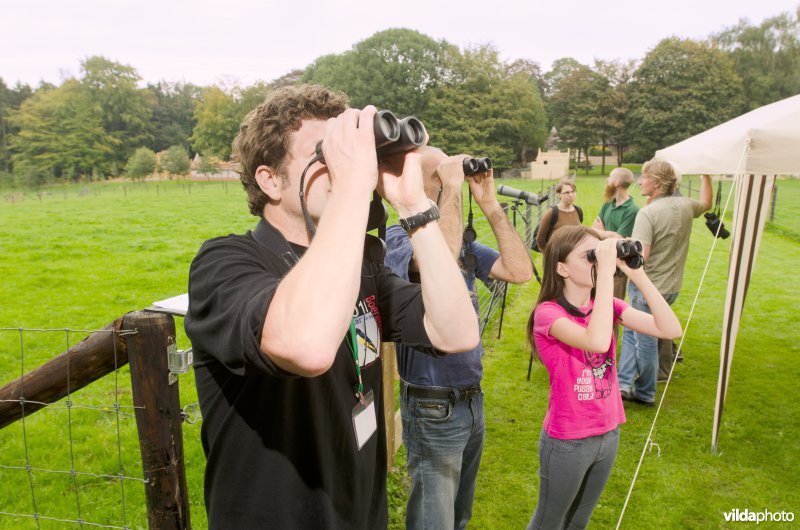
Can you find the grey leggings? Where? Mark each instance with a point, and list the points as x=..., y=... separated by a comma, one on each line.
x=572, y=474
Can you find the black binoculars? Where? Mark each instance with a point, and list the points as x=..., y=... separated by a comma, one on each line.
x=473, y=166
x=628, y=250
x=392, y=135
x=716, y=226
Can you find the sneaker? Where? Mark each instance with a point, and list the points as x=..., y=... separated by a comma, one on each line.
x=626, y=395
x=663, y=378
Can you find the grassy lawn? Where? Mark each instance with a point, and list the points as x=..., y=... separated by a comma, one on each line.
x=83, y=255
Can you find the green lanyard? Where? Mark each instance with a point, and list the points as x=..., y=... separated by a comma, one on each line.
x=354, y=349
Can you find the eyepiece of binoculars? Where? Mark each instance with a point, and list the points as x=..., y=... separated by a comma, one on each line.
x=392, y=135
x=628, y=250
x=473, y=166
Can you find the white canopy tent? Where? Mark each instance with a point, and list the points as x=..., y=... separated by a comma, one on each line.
x=754, y=148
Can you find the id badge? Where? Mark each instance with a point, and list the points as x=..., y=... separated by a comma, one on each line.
x=365, y=421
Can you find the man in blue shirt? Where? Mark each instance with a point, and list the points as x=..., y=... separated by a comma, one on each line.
x=441, y=398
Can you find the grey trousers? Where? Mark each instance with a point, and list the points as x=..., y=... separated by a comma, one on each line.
x=572, y=475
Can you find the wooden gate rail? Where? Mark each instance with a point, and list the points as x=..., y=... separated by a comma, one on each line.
x=156, y=402
x=87, y=361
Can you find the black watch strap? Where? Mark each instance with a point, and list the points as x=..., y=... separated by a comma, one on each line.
x=421, y=219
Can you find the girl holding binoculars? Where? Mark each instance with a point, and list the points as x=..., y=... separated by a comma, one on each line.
x=570, y=331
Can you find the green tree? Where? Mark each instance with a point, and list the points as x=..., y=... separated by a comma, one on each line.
x=560, y=69
x=577, y=108
x=175, y=161
x=141, y=164
x=123, y=107
x=61, y=135
x=290, y=78
x=393, y=69
x=483, y=110
x=172, y=114
x=10, y=101
x=248, y=98
x=614, y=105
x=209, y=165
x=218, y=119
x=682, y=88
x=532, y=70
x=766, y=57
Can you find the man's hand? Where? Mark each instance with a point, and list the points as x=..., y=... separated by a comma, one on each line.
x=482, y=187
x=349, y=148
x=400, y=183
x=451, y=172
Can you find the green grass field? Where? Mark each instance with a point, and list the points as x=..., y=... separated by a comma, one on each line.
x=81, y=256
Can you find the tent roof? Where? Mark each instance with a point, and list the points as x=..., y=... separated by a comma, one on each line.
x=768, y=138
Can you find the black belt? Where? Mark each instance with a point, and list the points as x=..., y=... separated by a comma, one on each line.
x=437, y=392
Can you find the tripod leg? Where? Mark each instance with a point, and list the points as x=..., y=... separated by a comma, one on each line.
x=530, y=365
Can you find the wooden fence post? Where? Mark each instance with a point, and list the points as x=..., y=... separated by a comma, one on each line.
x=158, y=417
x=394, y=425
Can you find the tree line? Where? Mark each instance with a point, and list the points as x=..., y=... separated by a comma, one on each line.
x=106, y=123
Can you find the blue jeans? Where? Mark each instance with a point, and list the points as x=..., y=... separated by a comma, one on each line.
x=639, y=353
x=572, y=475
x=444, y=442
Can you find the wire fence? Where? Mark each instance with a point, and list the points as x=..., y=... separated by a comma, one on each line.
x=90, y=458
x=524, y=217
x=124, y=189
x=47, y=452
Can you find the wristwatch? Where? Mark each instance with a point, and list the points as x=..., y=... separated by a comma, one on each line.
x=420, y=219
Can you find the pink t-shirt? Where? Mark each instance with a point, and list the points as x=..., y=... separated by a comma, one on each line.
x=584, y=393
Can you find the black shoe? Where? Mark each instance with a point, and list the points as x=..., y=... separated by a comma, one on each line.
x=628, y=395
x=640, y=401
x=676, y=353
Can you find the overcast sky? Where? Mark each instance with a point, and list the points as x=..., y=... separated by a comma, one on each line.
x=242, y=41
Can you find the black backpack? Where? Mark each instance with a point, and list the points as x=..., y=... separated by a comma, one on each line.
x=553, y=221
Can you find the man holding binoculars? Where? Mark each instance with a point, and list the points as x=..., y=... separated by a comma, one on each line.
x=663, y=227
x=441, y=398
x=287, y=320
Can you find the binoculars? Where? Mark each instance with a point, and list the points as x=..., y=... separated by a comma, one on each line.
x=716, y=226
x=628, y=250
x=473, y=166
x=392, y=135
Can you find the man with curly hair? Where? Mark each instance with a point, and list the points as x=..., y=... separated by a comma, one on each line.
x=287, y=320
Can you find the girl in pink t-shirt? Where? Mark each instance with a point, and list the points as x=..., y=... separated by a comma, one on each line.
x=571, y=329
